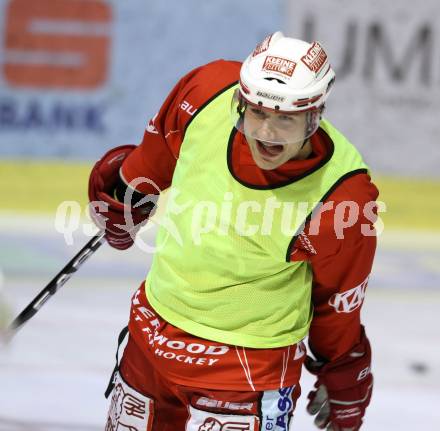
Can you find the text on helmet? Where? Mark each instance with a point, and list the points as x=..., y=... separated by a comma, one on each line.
x=270, y=96
x=279, y=65
x=315, y=58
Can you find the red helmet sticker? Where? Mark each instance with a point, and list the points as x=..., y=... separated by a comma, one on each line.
x=315, y=58
x=279, y=65
x=262, y=46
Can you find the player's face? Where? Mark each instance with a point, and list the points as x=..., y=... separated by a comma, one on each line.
x=273, y=137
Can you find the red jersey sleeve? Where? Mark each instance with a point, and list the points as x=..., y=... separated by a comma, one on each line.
x=155, y=158
x=339, y=243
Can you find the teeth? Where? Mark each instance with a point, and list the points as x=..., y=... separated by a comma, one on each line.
x=273, y=150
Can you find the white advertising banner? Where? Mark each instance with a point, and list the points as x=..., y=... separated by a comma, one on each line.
x=387, y=60
x=80, y=76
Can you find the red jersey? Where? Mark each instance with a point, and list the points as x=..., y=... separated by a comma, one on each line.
x=341, y=264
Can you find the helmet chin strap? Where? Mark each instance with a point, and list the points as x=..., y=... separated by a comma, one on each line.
x=304, y=143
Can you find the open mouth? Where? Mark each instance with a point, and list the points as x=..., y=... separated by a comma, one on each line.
x=269, y=150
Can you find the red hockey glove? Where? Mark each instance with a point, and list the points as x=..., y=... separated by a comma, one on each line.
x=121, y=222
x=343, y=389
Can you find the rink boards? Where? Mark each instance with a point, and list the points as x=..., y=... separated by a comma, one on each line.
x=54, y=374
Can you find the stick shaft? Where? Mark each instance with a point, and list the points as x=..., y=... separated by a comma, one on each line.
x=56, y=283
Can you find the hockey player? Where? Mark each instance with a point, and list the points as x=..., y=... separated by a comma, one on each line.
x=246, y=273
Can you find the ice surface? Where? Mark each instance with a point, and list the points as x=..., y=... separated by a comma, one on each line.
x=53, y=375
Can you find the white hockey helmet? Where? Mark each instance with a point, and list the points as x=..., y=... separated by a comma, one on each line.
x=287, y=74
x=288, y=77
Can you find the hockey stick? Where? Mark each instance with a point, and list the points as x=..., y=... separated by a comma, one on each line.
x=55, y=284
